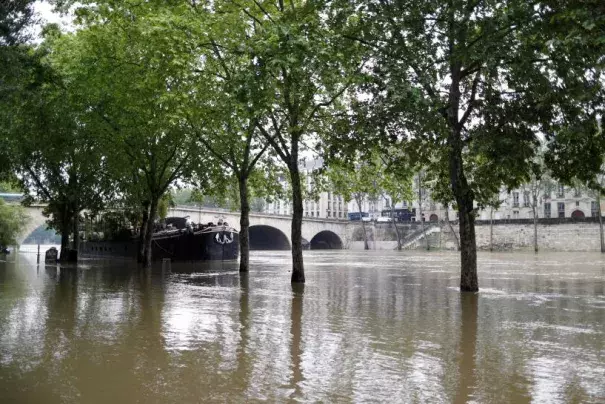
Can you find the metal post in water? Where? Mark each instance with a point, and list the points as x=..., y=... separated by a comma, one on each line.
x=166, y=262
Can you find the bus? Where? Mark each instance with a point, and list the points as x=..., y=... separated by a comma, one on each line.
x=401, y=214
x=357, y=216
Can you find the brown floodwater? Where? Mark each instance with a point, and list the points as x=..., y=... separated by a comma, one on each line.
x=367, y=327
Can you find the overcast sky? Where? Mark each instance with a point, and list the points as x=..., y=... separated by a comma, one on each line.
x=46, y=15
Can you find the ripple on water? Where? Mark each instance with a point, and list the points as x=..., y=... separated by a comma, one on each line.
x=367, y=327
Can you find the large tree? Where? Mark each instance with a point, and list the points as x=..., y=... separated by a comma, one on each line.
x=303, y=68
x=223, y=110
x=56, y=155
x=131, y=70
x=466, y=79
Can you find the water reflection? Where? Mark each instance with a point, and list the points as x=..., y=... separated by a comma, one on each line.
x=467, y=347
x=298, y=291
x=366, y=327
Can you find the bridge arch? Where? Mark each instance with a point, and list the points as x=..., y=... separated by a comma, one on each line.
x=35, y=220
x=263, y=237
x=326, y=240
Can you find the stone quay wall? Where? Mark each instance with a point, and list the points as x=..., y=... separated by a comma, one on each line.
x=565, y=234
x=553, y=234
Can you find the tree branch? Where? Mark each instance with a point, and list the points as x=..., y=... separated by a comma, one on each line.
x=282, y=153
x=471, y=101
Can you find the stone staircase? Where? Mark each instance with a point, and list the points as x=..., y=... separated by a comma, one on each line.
x=417, y=238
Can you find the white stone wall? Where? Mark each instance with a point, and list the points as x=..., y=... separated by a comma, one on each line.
x=559, y=237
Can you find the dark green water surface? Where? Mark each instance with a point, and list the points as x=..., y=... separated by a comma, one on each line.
x=366, y=327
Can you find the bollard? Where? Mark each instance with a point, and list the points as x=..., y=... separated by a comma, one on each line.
x=166, y=262
x=38, y=258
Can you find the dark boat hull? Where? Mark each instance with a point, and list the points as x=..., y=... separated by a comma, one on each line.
x=208, y=245
x=202, y=246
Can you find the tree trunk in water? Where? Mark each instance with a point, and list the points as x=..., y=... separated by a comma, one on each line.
x=298, y=269
x=449, y=224
x=464, y=199
x=65, y=231
x=395, y=224
x=535, y=230
x=600, y=222
x=468, y=251
x=142, y=233
x=491, y=229
x=76, y=230
x=363, y=226
x=244, y=223
x=153, y=211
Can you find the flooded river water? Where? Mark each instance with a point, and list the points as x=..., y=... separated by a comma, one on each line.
x=366, y=327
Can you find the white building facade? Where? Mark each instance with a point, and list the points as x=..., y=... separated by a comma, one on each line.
x=328, y=204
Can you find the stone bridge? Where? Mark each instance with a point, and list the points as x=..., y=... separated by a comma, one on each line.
x=267, y=232
x=36, y=219
x=272, y=232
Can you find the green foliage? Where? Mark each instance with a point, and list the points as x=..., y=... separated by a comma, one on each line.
x=10, y=186
x=359, y=180
x=12, y=220
x=128, y=65
x=166, y=202
x=57, y=158
x=15, y=17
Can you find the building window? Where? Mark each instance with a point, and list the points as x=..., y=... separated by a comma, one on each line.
x=561, y=209
x=561, y=191
x=547, y=209
x=547, y=191
x=515, y=199
x=577, y=203
x=339, y=214
x=306, y=213
x=526, y=199
x=577, y=192
x=594, y=209
x=312, y=214
x=515, y=214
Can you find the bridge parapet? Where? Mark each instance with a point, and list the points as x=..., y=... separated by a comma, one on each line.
x=311, y=227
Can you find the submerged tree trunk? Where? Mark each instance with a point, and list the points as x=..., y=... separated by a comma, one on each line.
x=366, y=246
x=153, y=211
x=298, y=270
x=468, y=250
x=464, y=199
x=600, y=222
x=76, y=230
x=65, y=231
x=449, y=224
x=143, y=232
x=395, y=225
x=244, y=222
